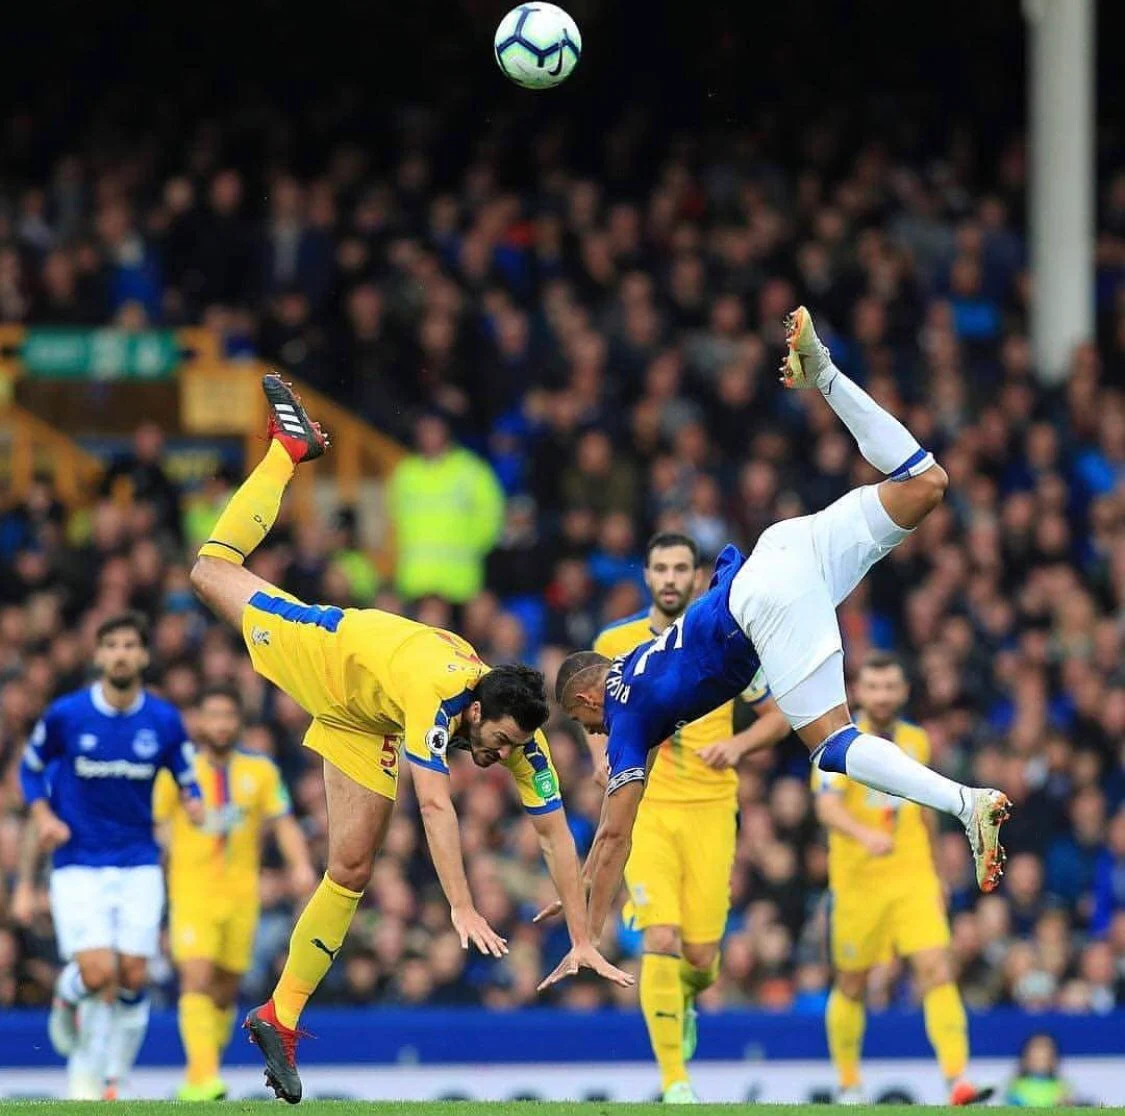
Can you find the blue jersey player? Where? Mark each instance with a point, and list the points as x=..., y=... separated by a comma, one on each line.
x=776, y=608
x=87, y=775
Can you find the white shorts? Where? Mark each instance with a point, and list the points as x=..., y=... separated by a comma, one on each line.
x=785, y=596
x=107, y=908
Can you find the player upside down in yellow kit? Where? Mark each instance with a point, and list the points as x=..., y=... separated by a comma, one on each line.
x=374, y=682
x=213, y=872
x=886, y=896
x=679, y=869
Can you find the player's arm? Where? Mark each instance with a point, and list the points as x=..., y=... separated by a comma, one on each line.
x=27, y=875
x=277, y=810
x=179, y=758
x=833, y=814
x=443, y=835
x=44, y=746
x=557, y=843
x=295, y=852
x=596, y=745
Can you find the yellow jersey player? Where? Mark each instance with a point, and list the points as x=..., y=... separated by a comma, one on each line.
x=213, y=879
x=372, y=683
x=679, y=868
x=886, y=896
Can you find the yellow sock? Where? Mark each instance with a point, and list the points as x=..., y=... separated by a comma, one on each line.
x=197, y=1032
x=662, y=1001
x=252, y=510
x=224, y=1027
x=845, y=1020
x=693, y=980
x=316, y=940
x=947, y=1029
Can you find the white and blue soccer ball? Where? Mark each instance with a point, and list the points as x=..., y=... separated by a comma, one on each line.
x=537, y=45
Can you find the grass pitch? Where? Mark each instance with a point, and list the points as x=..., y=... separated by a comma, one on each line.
x=469, y=1108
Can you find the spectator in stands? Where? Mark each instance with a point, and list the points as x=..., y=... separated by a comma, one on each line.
x=446, y=508
x=140, y=476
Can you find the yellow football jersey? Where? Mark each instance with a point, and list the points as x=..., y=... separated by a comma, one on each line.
x=220, y=859
x=375, y=679
x=849, y=863
x=679, y=775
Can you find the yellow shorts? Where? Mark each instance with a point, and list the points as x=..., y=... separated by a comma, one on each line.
x=870, y=925
x=223, y=935
x=679, y=868
x=299, y=649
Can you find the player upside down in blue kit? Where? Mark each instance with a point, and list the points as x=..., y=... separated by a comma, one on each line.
x=776, y=609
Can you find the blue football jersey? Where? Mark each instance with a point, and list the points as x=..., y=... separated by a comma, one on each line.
x=96, y=766
x=695, y=665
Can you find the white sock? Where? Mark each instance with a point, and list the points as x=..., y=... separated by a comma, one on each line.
x=878, y=763
x=884, y=442
x=130, y=1022
x=95, y=1033
x=69, y=985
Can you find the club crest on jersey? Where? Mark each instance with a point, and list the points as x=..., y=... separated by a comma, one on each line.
x=260, y=637
x=146, y=744
x=87, y=741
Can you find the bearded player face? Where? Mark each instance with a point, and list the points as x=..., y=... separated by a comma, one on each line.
x=672, y=579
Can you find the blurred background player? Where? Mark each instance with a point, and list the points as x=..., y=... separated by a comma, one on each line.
x=679, y=869
x=886, y=896
x=213, y=869
x=103, y=747
x=373, y=681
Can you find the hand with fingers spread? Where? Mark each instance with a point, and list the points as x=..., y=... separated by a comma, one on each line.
x=586, y=956
x=472, y=927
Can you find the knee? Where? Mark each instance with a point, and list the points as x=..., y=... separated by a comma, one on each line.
x=133, y=974
x=662, y=939
x=98, y=973
x=700, y=955
x=350, y=871
x=932, y=970
x=932, y=484
x=852, y=985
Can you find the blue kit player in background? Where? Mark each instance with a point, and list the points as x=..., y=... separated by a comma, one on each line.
x=87, y=776
x=776, y=609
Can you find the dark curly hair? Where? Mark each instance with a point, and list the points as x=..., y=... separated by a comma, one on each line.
x=515, y=690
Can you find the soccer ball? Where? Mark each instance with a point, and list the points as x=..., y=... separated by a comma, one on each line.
x=537, y=45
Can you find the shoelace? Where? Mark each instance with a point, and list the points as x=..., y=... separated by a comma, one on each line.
x=289, y=1040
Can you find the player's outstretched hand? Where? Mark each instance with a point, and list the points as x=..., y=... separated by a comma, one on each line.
x=586, y=956
x=194, y=809
x=549, y=911
x=53, y=831
x=878, y=844
x=472, y=927
x=23, y=903
x=721, y=755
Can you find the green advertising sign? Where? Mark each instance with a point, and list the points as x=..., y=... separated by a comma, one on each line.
x=100, y=354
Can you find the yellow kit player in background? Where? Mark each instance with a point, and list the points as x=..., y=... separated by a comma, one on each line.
x=373, y=682
x=679, y=868
x=213, y=873
x=886, y=895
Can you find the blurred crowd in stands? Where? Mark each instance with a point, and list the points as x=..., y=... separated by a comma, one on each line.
x=577, y=363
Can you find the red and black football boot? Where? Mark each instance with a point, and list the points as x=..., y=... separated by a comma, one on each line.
x=289, y=421
x=278, y=1045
